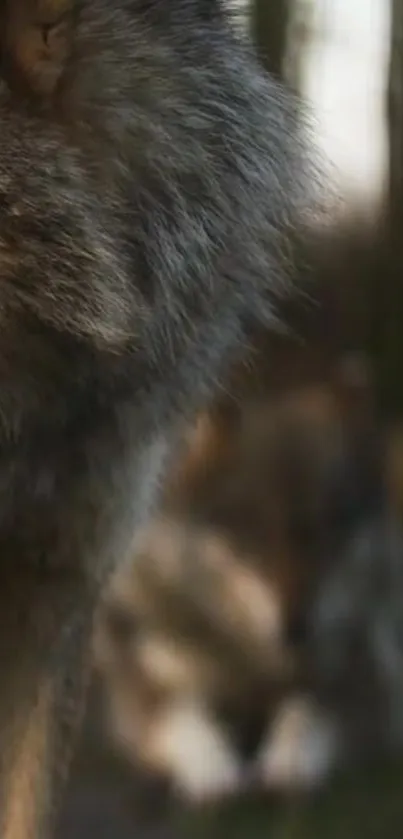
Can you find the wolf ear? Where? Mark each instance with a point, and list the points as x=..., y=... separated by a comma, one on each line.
x=36, y=37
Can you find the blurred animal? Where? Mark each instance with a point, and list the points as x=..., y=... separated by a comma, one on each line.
x=247, y=641
x=151, y=180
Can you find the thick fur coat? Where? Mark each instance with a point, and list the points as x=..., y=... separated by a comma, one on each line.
x=151, y=178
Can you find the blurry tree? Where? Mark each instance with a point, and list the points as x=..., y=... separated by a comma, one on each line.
x=270, y=22
x=281, y=29
x=388, y=300
x=395, y=112
x=301, y=26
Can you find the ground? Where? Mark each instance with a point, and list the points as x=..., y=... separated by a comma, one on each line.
x=105, y=802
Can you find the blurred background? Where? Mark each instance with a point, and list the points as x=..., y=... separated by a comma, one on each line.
x=346, y=59
x=337, y=55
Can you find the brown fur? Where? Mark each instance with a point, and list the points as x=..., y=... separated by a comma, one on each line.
x=36, y=42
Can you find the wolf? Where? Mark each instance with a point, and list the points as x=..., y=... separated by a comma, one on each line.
x=152, y=178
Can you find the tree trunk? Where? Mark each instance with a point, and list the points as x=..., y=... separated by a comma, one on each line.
x=270, y=19
x=388, y=302
x=395, y=113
